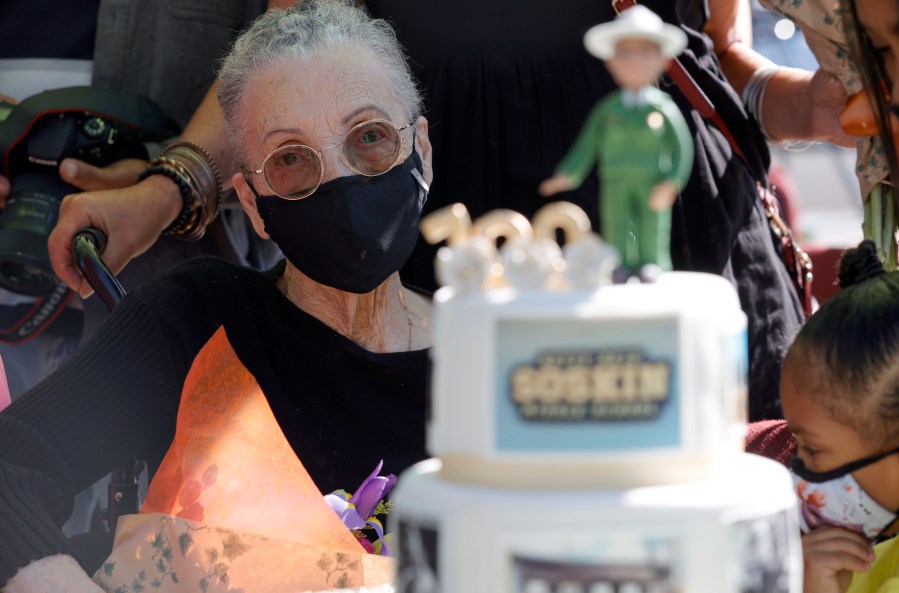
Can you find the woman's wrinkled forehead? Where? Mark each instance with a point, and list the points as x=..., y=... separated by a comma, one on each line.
x=318, y=96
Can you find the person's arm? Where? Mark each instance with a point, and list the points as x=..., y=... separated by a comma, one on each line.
x=581, y=158
x=798, y=104
x=115, y=398
x=730, y=29
x=677, y=137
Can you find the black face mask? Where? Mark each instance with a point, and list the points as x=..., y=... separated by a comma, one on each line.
x=354, y=231
x=806, y=474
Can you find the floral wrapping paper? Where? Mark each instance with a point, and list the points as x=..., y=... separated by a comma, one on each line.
x=165, y=554
x=231, y=507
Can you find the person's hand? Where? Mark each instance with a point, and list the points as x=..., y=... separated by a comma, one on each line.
x=663, y=196
x=830, y=556
x=87, y=177
x=828, y=99
x=132, y=219
x=555, y=184
x=801, y=105
x=90, y=178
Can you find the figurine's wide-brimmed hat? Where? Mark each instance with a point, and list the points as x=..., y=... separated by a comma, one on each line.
x=637, y=22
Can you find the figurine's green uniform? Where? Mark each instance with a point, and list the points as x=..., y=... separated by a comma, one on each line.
x=637, y=146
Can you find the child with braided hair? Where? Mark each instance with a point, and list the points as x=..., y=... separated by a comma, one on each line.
x=840, y=394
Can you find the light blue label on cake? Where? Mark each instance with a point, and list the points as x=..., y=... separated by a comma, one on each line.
x=572, y=386
x=738, y=392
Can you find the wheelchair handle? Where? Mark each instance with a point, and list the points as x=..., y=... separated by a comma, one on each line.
x=86, y=248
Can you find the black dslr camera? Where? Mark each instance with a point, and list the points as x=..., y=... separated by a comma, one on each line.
x=95, y=125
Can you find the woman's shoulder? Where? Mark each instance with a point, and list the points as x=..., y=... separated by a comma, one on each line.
x=211, y=275
x=204, y=288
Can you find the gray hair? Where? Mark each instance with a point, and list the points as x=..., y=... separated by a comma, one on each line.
x=305, y=29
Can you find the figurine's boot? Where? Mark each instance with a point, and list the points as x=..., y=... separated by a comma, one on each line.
x=621, y=275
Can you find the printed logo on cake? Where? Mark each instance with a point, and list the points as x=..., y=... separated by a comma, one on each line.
x=590, y=386
x=601, y=386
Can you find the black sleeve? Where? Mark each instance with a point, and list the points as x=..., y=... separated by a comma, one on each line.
x=115, y=397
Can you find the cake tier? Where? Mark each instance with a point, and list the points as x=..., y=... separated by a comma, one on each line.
x=626, y=385
x=736, y=532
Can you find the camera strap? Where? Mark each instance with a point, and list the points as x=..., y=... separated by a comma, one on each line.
x=16, y=328
x=797, y=261
x=136, y=116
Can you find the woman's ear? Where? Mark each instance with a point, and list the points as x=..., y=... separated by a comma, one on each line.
x=248, y=201
x=423, y=144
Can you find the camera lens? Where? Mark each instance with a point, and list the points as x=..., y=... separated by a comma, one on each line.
x=25, y=276
x=31, y=212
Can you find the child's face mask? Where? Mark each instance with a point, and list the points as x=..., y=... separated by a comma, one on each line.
x=835, y=498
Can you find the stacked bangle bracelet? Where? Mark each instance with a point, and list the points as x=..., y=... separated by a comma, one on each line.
x=193, y=169
x=754, y=99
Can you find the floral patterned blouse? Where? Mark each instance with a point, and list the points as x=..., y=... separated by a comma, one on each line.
x=822, y=22
x=825, y=28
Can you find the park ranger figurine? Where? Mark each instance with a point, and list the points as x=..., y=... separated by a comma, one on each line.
x=639, y=138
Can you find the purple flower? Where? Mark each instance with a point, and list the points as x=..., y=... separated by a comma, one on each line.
x=357, y=510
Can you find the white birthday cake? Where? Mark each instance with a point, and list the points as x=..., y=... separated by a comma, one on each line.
x=587, y=436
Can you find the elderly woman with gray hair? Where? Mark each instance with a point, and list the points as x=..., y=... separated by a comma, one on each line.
x=266, y=389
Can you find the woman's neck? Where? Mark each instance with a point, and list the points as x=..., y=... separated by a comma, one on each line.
x=388, y=319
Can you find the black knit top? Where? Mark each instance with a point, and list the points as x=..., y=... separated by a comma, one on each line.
x=342, y=408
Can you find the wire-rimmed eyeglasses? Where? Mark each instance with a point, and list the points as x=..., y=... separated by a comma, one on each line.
x=294, y=171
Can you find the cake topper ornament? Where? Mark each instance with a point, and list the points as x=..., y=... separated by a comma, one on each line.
x=530, y=257
x=639, y=138
x=522, y=262
x=465, y=262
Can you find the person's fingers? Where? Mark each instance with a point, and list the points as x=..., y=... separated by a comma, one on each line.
x=545, y=188
x=829, y=93
x=830, y=556
x=59, y=244
x=838, y=561
x=833, y=533
x=90, y=178
x=838, y=549
x=77, y=212
x=132, y=220
x=554, y=185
